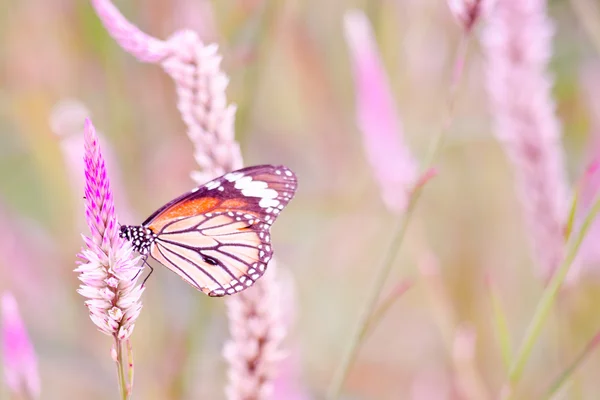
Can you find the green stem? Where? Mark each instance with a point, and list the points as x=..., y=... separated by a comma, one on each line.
x=568, y=372
x=572, y=214
x=501, y=326
x=547, y=300
x=386, y=303
x=363, y=325
x=129, y=367
x=125, y=393
x=369, y=305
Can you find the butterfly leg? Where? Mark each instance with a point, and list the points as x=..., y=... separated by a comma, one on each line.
x=151, y=270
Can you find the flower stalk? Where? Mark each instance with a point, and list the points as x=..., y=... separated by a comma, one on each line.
x=108, y=269
x=547, y=301
x=414, y=194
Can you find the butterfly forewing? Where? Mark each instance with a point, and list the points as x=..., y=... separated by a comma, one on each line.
x=217, y=237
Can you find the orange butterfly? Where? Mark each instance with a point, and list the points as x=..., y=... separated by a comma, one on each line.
x=217, y=237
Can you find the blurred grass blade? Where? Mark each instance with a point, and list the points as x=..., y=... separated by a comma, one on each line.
x=500, y=325
x=468, y=378
x=572, y=213
x=439, y=298
x=547, y=301
x=386, y=303
x=570, y=370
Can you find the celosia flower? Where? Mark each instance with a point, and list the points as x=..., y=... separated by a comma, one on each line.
x=517, y=44
x=200, y=86
x=109, y=269
x=20, y=363
x=202, y=101
x=254, y=318
x=392, y=163
x=256, y=327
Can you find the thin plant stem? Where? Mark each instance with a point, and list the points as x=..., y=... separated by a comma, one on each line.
x=125, y=392
x=130, y=371
x=457, y=73
x=572, y=214
x=387, y=303
x=568, y=372
x=547, y=301
x=398, y=237
x=501, y=327
x=370, y=304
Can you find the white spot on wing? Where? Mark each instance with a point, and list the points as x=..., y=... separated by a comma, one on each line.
x=268, y=202
x=213, y=185
x=233, y=176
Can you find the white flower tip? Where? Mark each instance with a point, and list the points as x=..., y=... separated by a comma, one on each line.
x=357, y=30
x=9, y=305
x=68, y=117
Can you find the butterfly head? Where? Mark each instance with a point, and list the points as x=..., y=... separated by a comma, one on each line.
x=140, y=237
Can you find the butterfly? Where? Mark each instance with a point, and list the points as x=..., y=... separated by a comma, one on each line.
x=217, y=236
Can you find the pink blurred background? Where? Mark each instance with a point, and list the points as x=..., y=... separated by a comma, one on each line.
x=291, y=80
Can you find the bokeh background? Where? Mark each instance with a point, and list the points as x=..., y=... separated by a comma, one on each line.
x=291, y=80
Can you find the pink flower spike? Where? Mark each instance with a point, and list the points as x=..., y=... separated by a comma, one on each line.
x=20, y=362
x=142, y=46
x=200, y=85
x=254, y=351
x=392, y=163
x=517, y=45
x=109, y=269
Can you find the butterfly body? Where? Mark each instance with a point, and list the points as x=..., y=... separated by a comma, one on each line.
x=217, y=236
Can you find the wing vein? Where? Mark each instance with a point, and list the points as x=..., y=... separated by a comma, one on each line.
x=189, y=261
